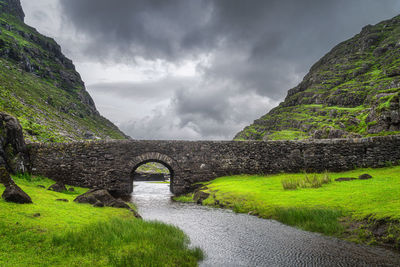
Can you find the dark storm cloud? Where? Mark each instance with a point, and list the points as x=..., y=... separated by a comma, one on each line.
x=125, y=28
x=256, y=47
x=163, y=88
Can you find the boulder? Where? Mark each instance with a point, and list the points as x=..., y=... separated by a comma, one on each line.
x=58, y=187
x=97, y=196
x=365, y=176
x=16, y=195
x=13, y=193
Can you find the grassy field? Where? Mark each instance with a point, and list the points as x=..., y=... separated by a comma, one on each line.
x=53, y=233
x=329, y=209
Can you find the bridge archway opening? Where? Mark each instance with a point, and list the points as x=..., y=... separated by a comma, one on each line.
x=153, y=170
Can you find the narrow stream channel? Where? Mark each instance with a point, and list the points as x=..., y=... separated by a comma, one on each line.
x=230, y=239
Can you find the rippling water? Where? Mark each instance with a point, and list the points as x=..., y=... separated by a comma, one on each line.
x=230, y=239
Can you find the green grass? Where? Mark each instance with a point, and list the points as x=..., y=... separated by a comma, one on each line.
x=71, y=234
x=287, y=135
x=311, y=219
x=307, y=181
x=312, y=209
x=184, y=198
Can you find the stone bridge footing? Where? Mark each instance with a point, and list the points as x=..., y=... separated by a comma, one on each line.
x=110, y=164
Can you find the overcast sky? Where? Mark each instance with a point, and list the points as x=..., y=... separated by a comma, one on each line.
x=197, y=69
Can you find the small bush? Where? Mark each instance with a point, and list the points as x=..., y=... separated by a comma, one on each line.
x=307, y=181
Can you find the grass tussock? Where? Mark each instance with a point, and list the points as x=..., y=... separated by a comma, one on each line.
x=311, y=219
x=145, y=243
x=308, y=181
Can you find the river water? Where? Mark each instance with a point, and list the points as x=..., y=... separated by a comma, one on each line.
x=230, y=239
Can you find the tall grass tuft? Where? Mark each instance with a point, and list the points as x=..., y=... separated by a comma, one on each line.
x=307, y=181
x=311, y=219
x=144, y=243
x=24, y=176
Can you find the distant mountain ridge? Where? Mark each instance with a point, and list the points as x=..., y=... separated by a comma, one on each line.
x=353, y=91
x=41, y=87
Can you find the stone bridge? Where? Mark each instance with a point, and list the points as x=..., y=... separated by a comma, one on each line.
x=110, y=164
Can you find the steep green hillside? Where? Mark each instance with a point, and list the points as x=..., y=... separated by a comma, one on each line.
x=41, y=87
x=352, y=91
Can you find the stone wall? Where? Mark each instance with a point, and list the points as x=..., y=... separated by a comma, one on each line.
x=109, y=164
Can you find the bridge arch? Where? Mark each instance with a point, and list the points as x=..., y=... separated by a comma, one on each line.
x=168, y=162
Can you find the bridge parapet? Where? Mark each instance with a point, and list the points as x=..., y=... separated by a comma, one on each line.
x=109, y=164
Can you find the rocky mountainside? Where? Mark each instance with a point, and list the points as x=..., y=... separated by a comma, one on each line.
x=41, y=87
x=352, y=91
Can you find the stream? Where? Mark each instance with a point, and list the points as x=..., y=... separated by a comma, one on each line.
x=230, y=239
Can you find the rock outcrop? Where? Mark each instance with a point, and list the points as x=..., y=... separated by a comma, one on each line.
x=12, y=7
x=94, y=196
x=13, y=152
x=41, y=87
x=58, y=187
x=12, y=193
x=352, y=91
x=102, y=198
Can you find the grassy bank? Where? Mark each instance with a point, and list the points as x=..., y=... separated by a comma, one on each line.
x=353, y=209
x=54, y=233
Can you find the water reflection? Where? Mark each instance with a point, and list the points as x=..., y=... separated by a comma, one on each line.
x=231, y=239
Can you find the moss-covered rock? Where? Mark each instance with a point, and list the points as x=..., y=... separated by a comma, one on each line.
x=352, y=91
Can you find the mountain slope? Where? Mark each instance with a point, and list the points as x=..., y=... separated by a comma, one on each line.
x=41, y=87
x=352, y=91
